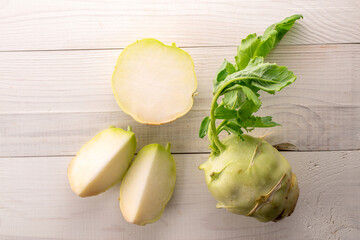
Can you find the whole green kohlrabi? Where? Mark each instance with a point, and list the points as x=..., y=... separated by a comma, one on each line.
x=250, y=177
x=246, y=175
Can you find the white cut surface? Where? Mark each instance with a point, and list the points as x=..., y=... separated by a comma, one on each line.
x=154, y=83
x=148, y=185
x=101, y=162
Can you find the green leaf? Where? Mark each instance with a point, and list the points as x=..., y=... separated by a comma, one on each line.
x=233, y=127
x=239, y=85
x=234, y=97
x=266, y=76
x=204, y=127
x=221, y=112
x=262, y=122
x=246, y=51
x=271, y=76
x=267, y=43
x=253, y=45
x=225, y=69
x=252, y=96
x=242, y=98
x=281, y=28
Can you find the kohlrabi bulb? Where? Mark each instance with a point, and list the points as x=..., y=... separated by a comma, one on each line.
x=250, y=177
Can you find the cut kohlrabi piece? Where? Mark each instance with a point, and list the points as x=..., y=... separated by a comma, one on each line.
x=102, y=162
x=148, y=185
x=154, y=83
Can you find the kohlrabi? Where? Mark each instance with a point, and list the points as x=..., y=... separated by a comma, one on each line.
x=148, y=185
x=246, y=175
x=154, y=83
x=102, y=162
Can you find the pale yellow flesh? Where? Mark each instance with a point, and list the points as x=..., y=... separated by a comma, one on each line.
x=148, y=185
x=154, y=83
x=101, y=162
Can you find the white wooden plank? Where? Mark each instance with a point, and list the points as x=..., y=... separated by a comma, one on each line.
x=79, y=81
x=37, y=203
x=320, y=111
x=317, y=128
x=43, y=25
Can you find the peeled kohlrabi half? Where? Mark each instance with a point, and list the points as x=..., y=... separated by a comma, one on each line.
x=154, y=83
x=102, y=162
x=250, y=177
x=148, y=185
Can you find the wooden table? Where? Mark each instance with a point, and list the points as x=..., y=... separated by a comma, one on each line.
x=56, y=61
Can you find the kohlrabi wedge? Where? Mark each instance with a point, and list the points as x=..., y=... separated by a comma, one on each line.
x=246, y=175
x=102, y=162
x=148, y=185
x=154, y=83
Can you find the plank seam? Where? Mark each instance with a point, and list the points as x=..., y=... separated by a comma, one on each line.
x=121, y=48
x=115, y=112
x=182, y=153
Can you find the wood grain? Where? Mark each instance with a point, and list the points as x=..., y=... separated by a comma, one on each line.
x=44, y=25
x=61, y=99
x=304, y=129
x=37, y=203
x=79, y=81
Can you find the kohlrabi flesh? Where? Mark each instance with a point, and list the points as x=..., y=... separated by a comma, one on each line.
x=102, y=162
x=148, y=185
x=246, y=175
x=154, y=83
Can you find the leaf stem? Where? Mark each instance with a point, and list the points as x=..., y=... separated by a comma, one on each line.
x=215, y=137
x=220, y=125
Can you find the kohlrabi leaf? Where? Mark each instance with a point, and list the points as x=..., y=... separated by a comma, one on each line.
x=221, y=112
x=274, y=34
x=234, y=97
x=266, y=76
x=252, y=96
x=267, y=43
x=254, y=45
x=247, y=109
x=281, y=27
x=262, y=122
x=225, y=69
x=239, y=85
x=204, y=127
x=246, y=50
x=271, y=77
x=233, y=127
x=241, y=97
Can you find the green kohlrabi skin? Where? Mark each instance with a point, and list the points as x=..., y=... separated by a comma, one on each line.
x=250, y=177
